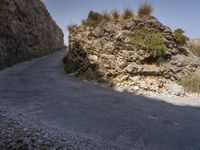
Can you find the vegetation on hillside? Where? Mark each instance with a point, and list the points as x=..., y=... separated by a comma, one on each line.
x=115, y=14
x=145, y=10
x=106, y=17
x=195, y=48
x=128, y=13
x=152, y=41
x=180, y=37
x=95, y=18
x=191, y=82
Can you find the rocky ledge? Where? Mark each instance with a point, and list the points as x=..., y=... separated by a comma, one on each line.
x=114, y=53
x=27, y=31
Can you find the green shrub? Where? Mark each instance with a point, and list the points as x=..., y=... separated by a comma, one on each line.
x=69, y=66
x=156, y=44
x=149, y=40
x=115, y=15
x=83, y=22
x=191, y=82
x=94, y=18
x=71, y=27
x=145, y=10
x=180, y=37
x=128, y=13
x=195, y=48
x=106, y=17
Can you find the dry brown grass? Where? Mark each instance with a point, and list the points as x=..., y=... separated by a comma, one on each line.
x=191, y=83
x=145, y=10
x=195, y=48
x=128, y=13
x=106, y=17
x=115, y=14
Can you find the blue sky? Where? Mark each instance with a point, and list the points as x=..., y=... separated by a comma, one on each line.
x=173, y=13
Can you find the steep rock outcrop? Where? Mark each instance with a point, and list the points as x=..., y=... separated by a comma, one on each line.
x=106, y=53
x=26, y=31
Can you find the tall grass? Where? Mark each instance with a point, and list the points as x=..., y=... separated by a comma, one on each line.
x=145, y=10
x=115, y=14
x=128, y=13
x=195, y=47
x=191, y=83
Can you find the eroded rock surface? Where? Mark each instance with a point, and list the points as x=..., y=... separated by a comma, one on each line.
x=105, y=54
x=26, y=31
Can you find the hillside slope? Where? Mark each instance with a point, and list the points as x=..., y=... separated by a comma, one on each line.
x=135, y=54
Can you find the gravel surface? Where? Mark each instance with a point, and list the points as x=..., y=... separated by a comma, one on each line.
x=16, y=136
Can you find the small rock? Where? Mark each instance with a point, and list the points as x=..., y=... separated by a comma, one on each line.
x=176, y=89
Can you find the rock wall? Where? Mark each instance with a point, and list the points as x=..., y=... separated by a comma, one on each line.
x=105, y=54
x=26, y=31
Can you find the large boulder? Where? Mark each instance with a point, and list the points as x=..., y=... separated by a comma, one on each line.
x=26, y=31
x=113, y=52
x=176, y=89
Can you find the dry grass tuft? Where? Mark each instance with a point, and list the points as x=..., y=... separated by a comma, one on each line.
x=145, y=10
x=115, y=14
x=195, y=48
x=106, y=17
x=191, y=83
x=128, y=13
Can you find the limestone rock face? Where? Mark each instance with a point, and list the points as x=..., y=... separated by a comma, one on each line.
x=104, y=53
x=26, y=31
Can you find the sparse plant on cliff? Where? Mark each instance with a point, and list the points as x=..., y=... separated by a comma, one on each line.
x=155, y=43
x=191, y=82
x=145, y=10
x=84, y=22
x=180, y=37
x=195, y=48
x=94, y=18
x=115, y=14
x=71, y=27
x=128, y=13
x=150, y=40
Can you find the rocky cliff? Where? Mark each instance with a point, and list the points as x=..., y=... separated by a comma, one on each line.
x=26, y=31
x=136, y=55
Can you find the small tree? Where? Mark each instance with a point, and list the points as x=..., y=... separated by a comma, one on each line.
x=94, y=18
x=115, y=14
x=180, y=37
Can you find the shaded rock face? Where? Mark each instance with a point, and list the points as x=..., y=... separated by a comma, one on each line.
x=104, y=53
x=26, y=31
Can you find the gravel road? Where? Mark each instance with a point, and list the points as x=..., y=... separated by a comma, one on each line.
x=39, y=103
